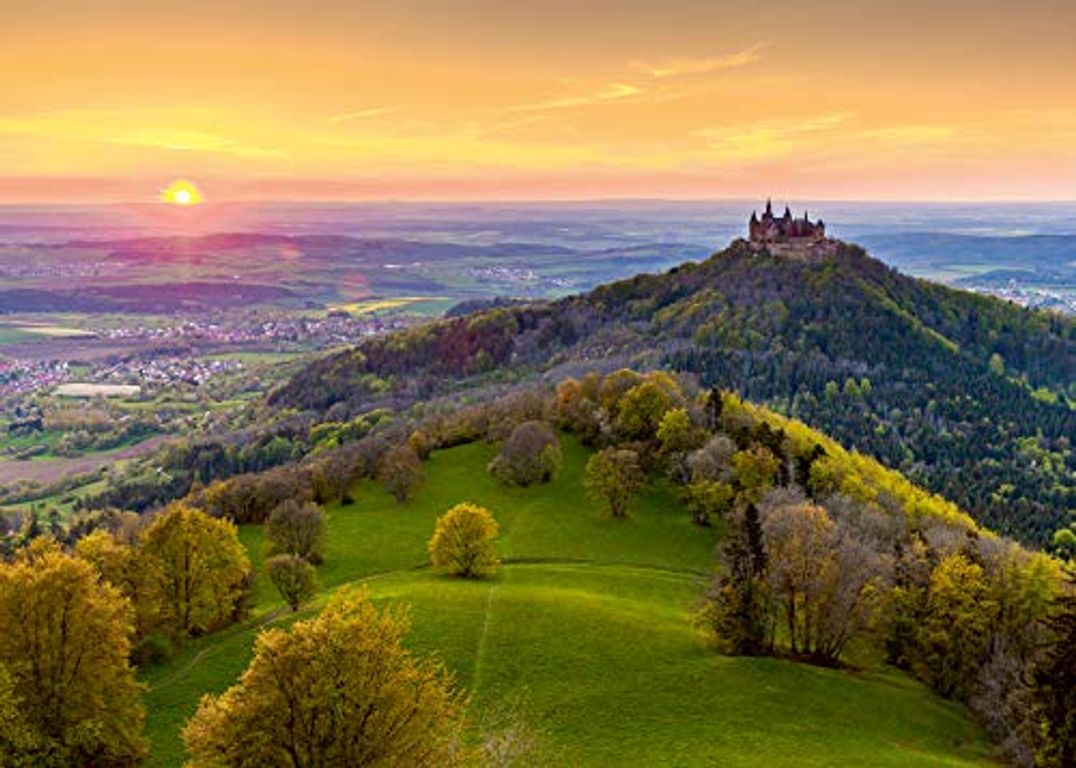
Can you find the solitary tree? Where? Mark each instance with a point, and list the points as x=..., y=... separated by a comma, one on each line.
x=296, y=528
x=464, y=542
x=64, y=647
x=293, y=577
x=400, y=471
x=531, y=454
x=613, y=476
x=201, y=568
x=339, y=689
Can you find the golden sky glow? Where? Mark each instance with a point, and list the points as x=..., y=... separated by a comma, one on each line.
x=950, y=99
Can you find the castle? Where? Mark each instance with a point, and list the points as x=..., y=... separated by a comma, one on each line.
x=770, y=229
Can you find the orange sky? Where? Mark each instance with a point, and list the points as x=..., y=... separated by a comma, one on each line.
x=477, y=99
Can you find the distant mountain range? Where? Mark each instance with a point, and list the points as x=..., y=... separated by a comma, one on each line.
x=970, y=395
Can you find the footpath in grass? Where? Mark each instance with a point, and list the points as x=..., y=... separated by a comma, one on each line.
x=589, y=624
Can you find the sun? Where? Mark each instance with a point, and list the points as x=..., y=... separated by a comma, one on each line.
x=182, y=193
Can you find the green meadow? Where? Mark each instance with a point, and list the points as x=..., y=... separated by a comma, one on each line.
x=589, y=625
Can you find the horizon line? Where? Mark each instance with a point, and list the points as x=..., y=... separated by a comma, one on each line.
x=503, y=201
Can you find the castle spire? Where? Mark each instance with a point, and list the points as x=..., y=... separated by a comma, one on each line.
x=769, y=206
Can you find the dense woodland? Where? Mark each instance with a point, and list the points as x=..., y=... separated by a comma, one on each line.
x=969, y=395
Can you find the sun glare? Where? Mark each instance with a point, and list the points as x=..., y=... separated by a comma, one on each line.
x=182, y=193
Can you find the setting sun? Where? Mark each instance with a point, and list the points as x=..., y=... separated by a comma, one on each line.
x=182, y=193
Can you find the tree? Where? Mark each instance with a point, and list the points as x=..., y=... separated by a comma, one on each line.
x=677, y=436
x=642, y=408
x=64, y=648
x=823, y=577
x=293, y=577
x=613, y=476
x=755, y=471
x=19, y=744
x=713, y=461
x=296, y=528
x=1053, y=678
x=201, y=568
x=531, y=454
x=708, y=500
x=400, y=471
x=955, y=631
x=127, y=569
x=738, y=608
x=464, y=542
x=339, y=689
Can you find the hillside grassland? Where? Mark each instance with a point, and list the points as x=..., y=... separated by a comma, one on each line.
x=589, y=624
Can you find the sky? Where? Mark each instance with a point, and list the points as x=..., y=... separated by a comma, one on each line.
x=105, y=100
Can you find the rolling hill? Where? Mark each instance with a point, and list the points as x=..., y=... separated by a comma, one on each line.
x=589, y=623
x=968, y=395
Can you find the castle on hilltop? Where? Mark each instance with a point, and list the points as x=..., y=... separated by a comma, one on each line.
x=771, y=229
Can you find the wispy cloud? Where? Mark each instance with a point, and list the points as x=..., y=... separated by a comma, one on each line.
x=364, y=114
x=681, y=66
x=149, y=128
x=768, y=139
x=610, y=92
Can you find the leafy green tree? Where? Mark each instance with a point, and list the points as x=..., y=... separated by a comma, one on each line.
x=955, y=630
x=1064, y=542
x=64, y=648
x=709, y=500
x=293, y=577
x=613, y=476
x=297, y=528
x=464, y=542
x=201, y=568
x=336, y=690
x=643, y=406
x=755, y=471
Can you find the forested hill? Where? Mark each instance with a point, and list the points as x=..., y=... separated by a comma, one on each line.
x=969, y=395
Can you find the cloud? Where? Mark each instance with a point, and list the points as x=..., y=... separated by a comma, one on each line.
x=611, y=92
x=767, y=139
x=150, y=128
x=364, y=114
x=910, y=134
x=682, y=66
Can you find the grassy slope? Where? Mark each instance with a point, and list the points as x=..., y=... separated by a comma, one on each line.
x=590, y=622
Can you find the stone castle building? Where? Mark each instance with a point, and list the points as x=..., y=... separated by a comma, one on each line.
x=784, y=229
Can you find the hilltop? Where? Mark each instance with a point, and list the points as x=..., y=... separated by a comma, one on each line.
x=967, y=394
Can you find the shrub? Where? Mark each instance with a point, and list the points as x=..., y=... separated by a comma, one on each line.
x=153, y=649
